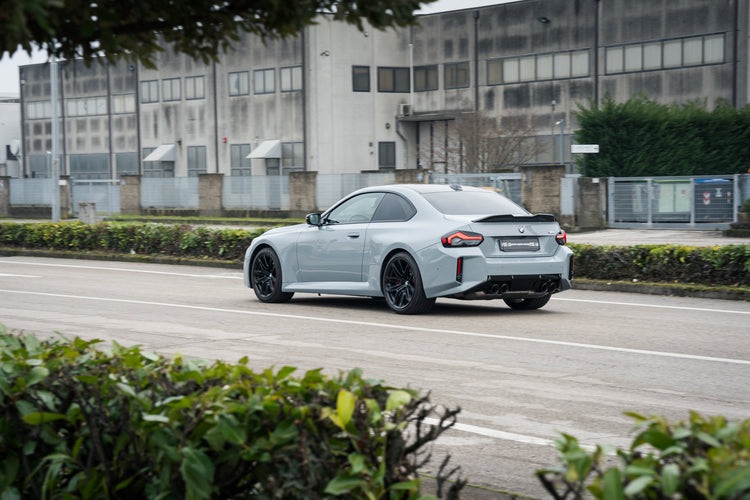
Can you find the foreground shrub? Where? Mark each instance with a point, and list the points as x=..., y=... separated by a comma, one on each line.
x=726, y=265
x=80, y=422
x=180, y=240
x=704, y=458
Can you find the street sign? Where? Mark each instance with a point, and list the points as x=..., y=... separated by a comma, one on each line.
x=584, y=148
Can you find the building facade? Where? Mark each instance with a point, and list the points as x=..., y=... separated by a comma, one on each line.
x=339, y=100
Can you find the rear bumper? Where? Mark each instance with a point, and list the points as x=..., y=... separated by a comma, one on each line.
x=483, y=278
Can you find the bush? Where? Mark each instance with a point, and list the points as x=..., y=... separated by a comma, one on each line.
x=80, y=422
x=745, y=207
x=179, y=240
x=727, y=265
x=699, y=459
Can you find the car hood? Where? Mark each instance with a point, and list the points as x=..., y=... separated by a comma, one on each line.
x=285, y=229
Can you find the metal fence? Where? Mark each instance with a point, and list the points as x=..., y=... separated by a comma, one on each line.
x=256, y=192
x=169, y=192
x=332, y=187
x=105, y=194
x=31, y=191
x=712, y=201
x=508, y=185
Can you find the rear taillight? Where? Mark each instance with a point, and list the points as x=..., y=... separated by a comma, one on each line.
x=561, y=238
x=462, y=239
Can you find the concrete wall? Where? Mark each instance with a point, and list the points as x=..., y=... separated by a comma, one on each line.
x=209, y=194
x=302, y=193
x=130, y=195
x=540, y=192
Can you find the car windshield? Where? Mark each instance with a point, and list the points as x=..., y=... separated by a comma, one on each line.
x=473, y=203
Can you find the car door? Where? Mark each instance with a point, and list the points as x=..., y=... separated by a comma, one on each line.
x=334, y=250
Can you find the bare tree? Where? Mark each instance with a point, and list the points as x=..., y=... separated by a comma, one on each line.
x=476, y=143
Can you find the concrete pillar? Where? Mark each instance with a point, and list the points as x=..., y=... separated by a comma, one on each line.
x=4, y=195
x=66, y=197
x=540, y=191
x=591, y=205
x=130, y=194
x=412, y=176
x=303, y=197
x=210, y=190
x=87, y=212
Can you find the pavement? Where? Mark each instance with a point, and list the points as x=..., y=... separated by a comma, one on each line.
x=626, y=237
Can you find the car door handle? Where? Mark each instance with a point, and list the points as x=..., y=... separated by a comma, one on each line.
x=353, y=235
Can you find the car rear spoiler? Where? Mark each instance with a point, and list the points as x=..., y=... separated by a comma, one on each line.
x=518, y=218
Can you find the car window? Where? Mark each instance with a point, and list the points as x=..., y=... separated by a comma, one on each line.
x=473, y=203
x=357, y=209
x=393, y=208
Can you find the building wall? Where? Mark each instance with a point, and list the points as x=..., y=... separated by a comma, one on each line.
x=10, y=131
x=337, y=129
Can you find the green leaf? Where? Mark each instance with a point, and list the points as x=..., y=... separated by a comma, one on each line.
x=397, y=399
x=670, y=479
x=36, y=375
x=197, y=471
x=231, y=430
x=735, y=485
x=345, y=407
x=42, y=417
x=285, y=372
x=340, y=485
x=635, y=487
x=613, y=485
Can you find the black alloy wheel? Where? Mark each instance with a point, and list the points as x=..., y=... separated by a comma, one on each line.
x=265, y=275
x=528, y=304
x=402, y=286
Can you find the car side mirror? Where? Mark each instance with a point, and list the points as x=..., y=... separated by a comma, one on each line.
x=313, y=219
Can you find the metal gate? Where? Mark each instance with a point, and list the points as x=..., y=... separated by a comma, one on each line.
x=709, y=202
x=105, y=194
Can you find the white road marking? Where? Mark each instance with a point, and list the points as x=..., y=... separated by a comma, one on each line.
x=124, y=270
x=393, y=327
x=18, y=275
x=656, y=306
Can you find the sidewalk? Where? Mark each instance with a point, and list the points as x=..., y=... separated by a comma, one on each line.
x=625, y=237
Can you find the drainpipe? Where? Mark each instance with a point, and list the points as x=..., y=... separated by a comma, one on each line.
x=216, y=118
x=596, y=52
x=476, y=60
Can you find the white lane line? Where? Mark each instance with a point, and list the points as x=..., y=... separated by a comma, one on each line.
x=18, y=275
x=656, y=306
x=125, y=270
x=483, y=431
x=391, y=327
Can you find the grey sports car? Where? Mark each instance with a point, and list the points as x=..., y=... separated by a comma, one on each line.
x=412, y=243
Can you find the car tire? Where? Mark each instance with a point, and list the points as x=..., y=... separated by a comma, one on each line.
x=528, y=304
x=265, y=277
x=402, y=286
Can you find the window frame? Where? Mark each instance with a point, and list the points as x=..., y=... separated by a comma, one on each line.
x=242, y=90
x=428, y=72
x=263, y=73
x=386, y=150
x=174, y=86
x=191, y=87
x=360, y=79
x=294, y=74
x=395, y=72
x=452, y=71
x=148, y=89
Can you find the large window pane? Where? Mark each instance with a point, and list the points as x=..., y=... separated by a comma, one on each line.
x=614, y=60
x=652, y=55
x=527, y=68
x=562, y=65
x=456, y=75
x=387, y=155
x=672, y=53
x=425, y=78
x=692, y=51
x=239, y=83
x=713, y=49
x=494, y=72
x=510, y=70
x=633, y=58
x=361, y=78
x=544, y=67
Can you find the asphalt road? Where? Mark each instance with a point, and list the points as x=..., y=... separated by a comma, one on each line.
x=519, y=377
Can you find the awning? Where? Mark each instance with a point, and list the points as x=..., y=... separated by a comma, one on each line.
x=429, y=117
x=165, y=152
x=267, y=149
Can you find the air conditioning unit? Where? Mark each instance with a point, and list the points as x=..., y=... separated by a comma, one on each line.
x=405, y=110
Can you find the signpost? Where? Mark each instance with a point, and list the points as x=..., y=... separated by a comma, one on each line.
x=584, y=149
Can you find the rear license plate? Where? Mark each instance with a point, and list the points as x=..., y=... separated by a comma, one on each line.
x=519, y=244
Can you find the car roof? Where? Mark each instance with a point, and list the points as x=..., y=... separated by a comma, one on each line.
x=423, y=188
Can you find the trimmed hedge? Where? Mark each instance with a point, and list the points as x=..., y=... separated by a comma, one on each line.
x=703, y=458
x=718, y=266
x=119, y=423
x=179, y=240
x=726, y=265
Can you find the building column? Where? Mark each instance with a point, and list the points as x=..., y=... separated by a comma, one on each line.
x=130, y=194
x=210, y=190
x=4, y=195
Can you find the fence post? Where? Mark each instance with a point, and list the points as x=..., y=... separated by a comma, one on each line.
x=130, y=194
x=303, y=193
x=540, y=190
x=4, y=195
x=210, y=188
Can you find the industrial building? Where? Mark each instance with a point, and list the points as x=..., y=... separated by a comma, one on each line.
x=339, y=100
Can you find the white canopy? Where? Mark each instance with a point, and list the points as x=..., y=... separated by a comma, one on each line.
x=267, y=149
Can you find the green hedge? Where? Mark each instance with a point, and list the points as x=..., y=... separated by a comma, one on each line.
x=726, y=265
x=119, y=423
x=719, y=266
x=180, y=240
x=703, y=458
